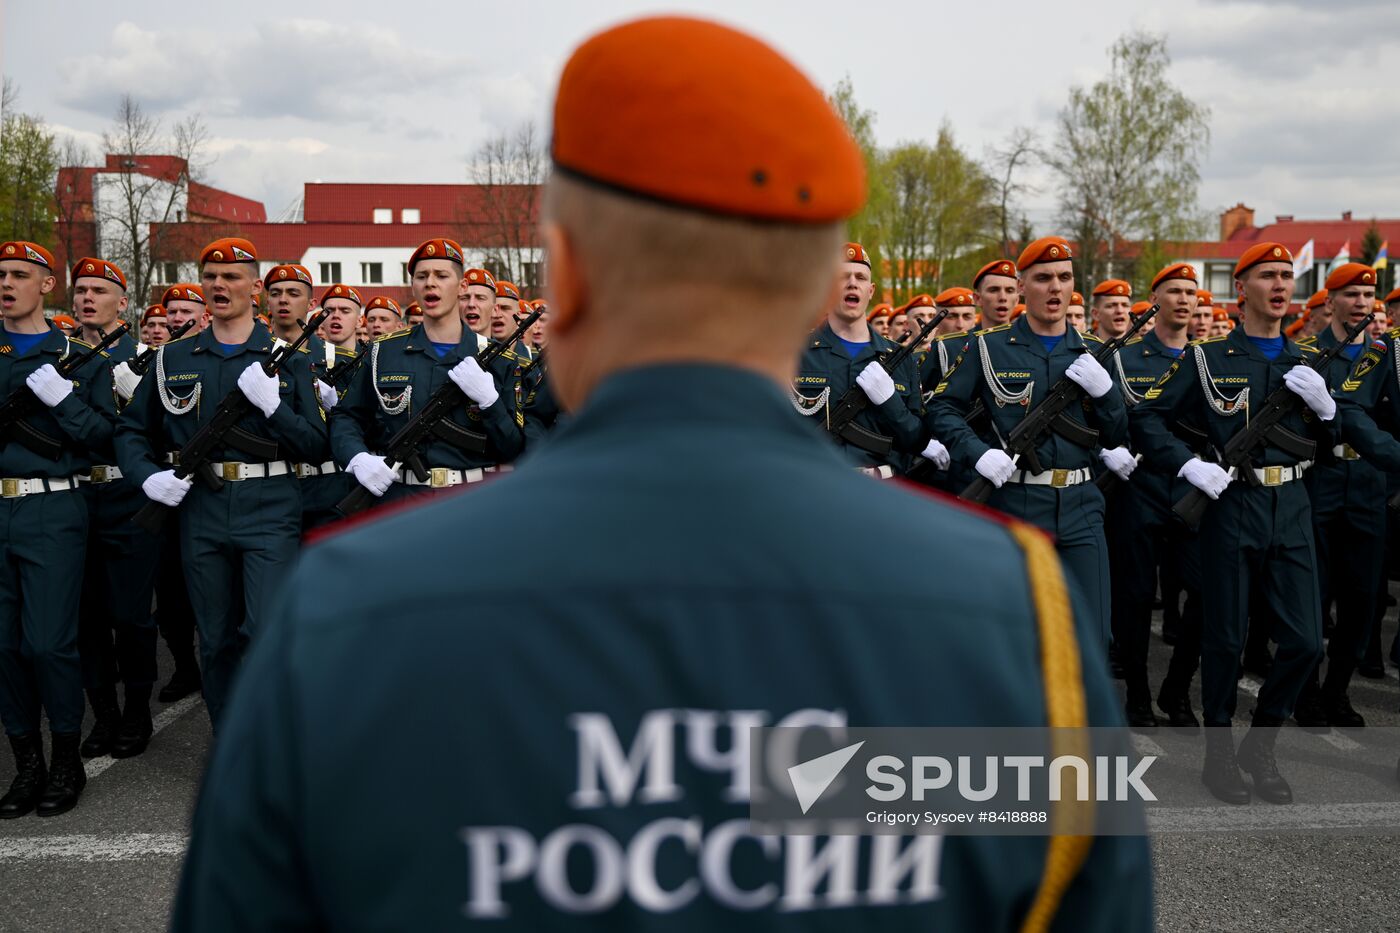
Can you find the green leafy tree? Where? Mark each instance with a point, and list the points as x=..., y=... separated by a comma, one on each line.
x=1127, y=158
x=864, y=228
x=28, y=164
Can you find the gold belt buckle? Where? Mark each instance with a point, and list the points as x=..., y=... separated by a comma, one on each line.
x=98, y=474
x=231, y=471
x=9, y=488
x=1273, y=476
x=437, y=477
x=1059, y=478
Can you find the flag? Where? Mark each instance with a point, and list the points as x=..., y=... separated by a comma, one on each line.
x=1342, y=258
x=1382, y=260
x=1303, y=260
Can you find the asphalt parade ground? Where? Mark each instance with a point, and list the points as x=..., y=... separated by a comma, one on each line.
x=1329, y=862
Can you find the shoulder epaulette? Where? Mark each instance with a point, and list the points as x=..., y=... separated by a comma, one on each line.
x=188, y=335
x=511, y=355
x=1205, y=340
x=1133, y=341
x=398, y=333
x=998, y=328
x=82, y=343
x=961, y=333
x=304, y=349
x=1090, y=338
x=1307, y=341
x=1308, y=348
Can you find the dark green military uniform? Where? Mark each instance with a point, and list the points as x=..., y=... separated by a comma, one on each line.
x=538, y=404
x=826, y=372
x=1152, y=536
x=43, y=539
x=1258, y=535
x=323, y=483
x=403, y=372
x=1006, y=368
x=933, y=364
x=498, y=693
x=239, y=542
x=116, y=630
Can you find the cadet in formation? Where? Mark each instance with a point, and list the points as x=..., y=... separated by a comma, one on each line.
x=686, y=571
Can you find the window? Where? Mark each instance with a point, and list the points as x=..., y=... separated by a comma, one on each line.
x=532, y=273
x=170, y=272
x=372, y=273
x=330, y=272
x=383, y=215
x=409, y=215
x=1220, y=278
x=406, y=279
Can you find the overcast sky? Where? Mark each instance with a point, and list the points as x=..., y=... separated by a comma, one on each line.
x=1305, y=111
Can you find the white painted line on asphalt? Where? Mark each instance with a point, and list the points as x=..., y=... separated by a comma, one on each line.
x=92, y=847
x=1334, y=738
x=1145, y=746
x=95, y=766
x=1263, y=817
x=1250, y=686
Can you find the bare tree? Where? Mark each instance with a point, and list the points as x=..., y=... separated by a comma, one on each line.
x=69, y=211
x=1018, y=152
x=150, y=188
x=508, y=170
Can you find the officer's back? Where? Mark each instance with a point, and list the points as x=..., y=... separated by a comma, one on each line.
x=549, y=735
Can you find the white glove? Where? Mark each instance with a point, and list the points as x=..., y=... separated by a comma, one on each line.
x=166, y=488
x=328, y=395
x=995, y=466
x=475, y=383
x=876, y=384
x=1119, y=461
x=371, y=472
x=1090, y=376
x=260, y=389
x=1308, y=384
x=1209, y=478
x=125, y=381
x=937, y=453
x=48, y=385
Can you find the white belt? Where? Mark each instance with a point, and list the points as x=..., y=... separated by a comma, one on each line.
x=232, y=471
x=1276, y=475
x=442, y=477
x=879, y=472
x=102, y=474
x=1345, y=452
x=303, y=470
x=14, y=488
x=1055, y=478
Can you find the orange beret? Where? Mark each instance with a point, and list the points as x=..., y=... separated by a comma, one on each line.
x=540, y=303
x=1018, y=311
x=480, y=277
x=1393, y=296
x=506, y=289
x=1113, y=287
x=1203, y=298
x=437, y=248
x=880, y=310
x=229, y=249
x=411, y=307
x=152, y=311
x=1219, y=314
x=995, y=267
x=1379, y=306
x=1318, y=297
x=98, y=269
x=1177, y=270
x=380, y=301
x=854, y=252
x=26, y=251
x=341, y=291
x=1262, y=252
x=954, y=297
x=920, y=300
x=63, y=320
x=1076, y=299
x=183, y=292
x=1139, y=307
x=1045, y=249
x=288, y=273
x=694, y=113
x=1350, y=273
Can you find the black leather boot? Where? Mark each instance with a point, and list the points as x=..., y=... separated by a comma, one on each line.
x=66, y=776
x=28, y=784
x=1138, y=707
x=1336, y=705
x=107, y=718
x=183, y=682
x=1308, y=711
x=1221, y=775
x=135, y=732
x=1176, y=703
x=1257, y=760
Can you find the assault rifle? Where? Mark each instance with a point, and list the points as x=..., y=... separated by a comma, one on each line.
x=22, y=403
x=141, y=363
x=222, y=430
x=842, y=421
x=1050, y=415
x=432, y=421
x=1264, y=427
x=340, y=376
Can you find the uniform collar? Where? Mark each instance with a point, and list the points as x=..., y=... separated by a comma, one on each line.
x=1153, y=345
x=824, y=336
x=1238, y=342
x=259, y=341
x=1022, y=335
x=54, y=343
x=417, y=342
